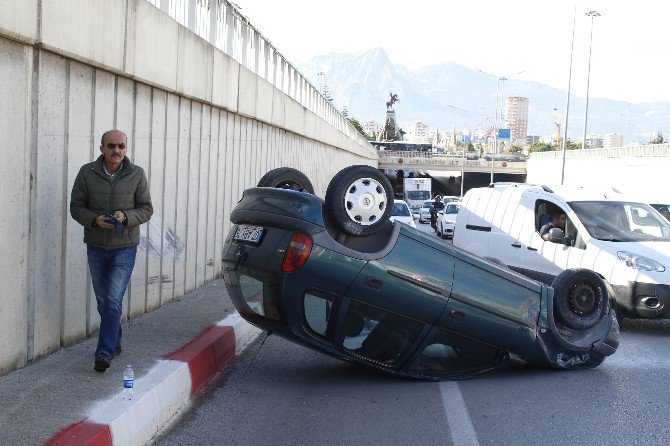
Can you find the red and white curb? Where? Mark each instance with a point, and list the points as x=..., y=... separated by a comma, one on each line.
x=162, y=392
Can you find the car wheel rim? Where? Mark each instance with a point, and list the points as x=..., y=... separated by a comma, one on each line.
x=365, y=201
x=582, y=300
x=292, y=185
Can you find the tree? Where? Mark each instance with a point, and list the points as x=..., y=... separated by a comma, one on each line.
x=357, y=125
x=658, y=139
x=541, y=147
x=516, y=149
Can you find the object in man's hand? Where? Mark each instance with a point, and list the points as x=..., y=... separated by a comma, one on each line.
x=118, y=226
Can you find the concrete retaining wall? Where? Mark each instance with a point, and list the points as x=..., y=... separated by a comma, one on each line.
x=641, y=177
x=205, y=122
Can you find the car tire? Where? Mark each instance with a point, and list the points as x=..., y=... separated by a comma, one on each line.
x=359, y=199
x=581, y=299
x=287, y=178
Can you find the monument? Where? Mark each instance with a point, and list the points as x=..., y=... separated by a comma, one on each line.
x=391, y=132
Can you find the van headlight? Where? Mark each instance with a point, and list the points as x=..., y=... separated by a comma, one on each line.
x=636, y=261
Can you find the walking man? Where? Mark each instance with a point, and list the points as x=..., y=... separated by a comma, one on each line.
x=110, y=199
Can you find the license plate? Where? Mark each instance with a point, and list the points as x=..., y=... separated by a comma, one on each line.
x=249, y=234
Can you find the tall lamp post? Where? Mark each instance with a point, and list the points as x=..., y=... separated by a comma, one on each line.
x=496, y=124
x=567, y=97
x=593, y=15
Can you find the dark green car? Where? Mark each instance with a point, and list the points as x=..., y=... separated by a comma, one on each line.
x=339, y=277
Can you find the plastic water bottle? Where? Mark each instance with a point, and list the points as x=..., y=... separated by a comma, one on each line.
x=128, y=381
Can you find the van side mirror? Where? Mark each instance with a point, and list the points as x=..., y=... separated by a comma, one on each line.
x=556, y=235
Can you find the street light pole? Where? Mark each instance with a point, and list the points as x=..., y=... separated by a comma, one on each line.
x=495, y=132
x=592, y=14
x=567, y=97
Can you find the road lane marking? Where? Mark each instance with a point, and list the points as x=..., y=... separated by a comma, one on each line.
x=460, y=426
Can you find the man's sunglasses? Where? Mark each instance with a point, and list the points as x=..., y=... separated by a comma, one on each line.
x=111, y=145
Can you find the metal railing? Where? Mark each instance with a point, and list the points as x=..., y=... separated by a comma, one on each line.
x=613, y=152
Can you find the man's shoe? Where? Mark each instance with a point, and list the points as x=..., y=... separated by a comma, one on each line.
x=117, y=350
x=102, y=363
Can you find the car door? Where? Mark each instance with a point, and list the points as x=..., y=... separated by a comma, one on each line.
x=394, y=301
x=492, y=304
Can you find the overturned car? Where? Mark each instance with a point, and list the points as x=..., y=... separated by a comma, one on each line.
x=337, y=276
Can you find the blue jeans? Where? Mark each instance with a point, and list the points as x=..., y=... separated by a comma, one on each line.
x=110, y=273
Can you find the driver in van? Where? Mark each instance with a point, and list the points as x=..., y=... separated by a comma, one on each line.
x=558, y=220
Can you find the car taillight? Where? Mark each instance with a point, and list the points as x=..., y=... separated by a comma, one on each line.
x=297, y=252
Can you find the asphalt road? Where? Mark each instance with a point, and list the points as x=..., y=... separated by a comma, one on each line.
x=279, y=393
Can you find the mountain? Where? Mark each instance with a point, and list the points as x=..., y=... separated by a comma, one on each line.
x=449, y=95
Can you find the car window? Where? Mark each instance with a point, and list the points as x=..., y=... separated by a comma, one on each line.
x=256, y=288
x=451, y=209
x=619, y=221
x=400, y=210
x=543, y=211
x=377, y=334
x=451, y=354
x=316, y=307
x=418, y=194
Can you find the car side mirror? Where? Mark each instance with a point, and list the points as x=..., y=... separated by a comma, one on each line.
x=440, y=213
x=556, y=235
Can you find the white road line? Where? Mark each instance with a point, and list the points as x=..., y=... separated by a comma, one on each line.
x=460, y=426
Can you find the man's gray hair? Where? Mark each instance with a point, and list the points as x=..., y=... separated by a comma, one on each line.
x=102, y=140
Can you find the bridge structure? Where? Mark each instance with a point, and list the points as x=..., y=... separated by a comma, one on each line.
x=442, y=162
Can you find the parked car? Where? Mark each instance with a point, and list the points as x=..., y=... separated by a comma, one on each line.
x=426, y=209
x=401, y=213
x=337, y=276
x=447, y=220
x=623, y=241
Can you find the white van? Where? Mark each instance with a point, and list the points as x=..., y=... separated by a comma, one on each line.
x=625, y=242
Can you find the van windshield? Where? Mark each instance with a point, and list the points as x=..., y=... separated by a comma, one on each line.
x=418, y=194
x=620, y=221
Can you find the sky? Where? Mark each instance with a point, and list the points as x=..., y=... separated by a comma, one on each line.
x=629, y=47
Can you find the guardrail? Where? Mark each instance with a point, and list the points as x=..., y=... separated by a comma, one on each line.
x=442, y=161
x=613, y=152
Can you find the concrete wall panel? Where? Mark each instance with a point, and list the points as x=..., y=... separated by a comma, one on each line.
x=278, y=108
x=225, y=74
x=172, y=246
x=95, y=31
x=193, y=191
x=79, y=143
x=264, y=100
x=152, y=39
x=124, y=120
x=195, y=62
x=181, y=223
x=156, y=175
x=141, y=156
x=221, y=220
x=49, y=200
x=212, y=198
x=248, y=91
x=229, y=198
x=17, y=19
x=203, y=192
x=15, y=127
x=104, y=118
